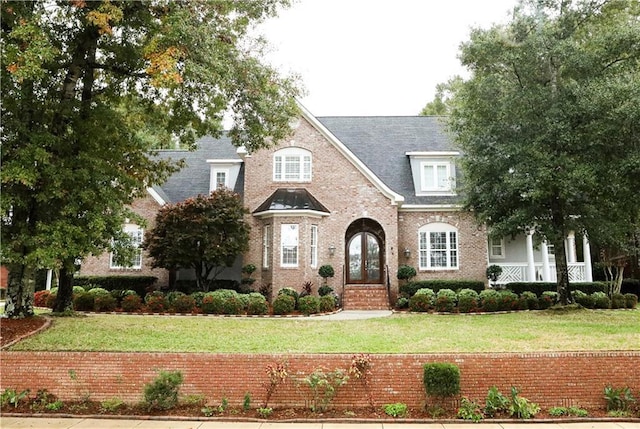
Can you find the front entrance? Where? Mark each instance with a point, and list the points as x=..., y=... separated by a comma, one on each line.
x=365, y=254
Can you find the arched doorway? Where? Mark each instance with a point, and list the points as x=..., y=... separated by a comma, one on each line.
x=365, y=252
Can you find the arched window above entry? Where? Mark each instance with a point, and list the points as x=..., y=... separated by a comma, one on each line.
x=292, y=164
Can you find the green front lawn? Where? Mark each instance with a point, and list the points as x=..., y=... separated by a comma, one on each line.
x=400, y=333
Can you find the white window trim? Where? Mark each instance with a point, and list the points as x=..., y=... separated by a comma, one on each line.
x=435, y=164
x=214, y=176
x=279, y=165
x=266, y=246
x=438, y=228
x=314, y=246
x=131, y=230
x=503, y=254
x=284, y=245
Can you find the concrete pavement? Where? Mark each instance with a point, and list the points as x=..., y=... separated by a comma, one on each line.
x=94, y=423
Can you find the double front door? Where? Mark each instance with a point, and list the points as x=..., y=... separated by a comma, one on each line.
x=364, y=258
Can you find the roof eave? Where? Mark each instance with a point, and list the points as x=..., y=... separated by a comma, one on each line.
x=289, y=213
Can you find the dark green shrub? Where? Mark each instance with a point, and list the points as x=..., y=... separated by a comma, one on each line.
x=83, y=301
x=156, y=302
x=183, y=304
x=507, y=300
x=131, y=303
x=630, y=300
x=211, y=304
x=405, y=272
x=324, y=290
x=309, y=305
x=257, y=304
x=410, y=288
x=601, y=300
x=445, y=300
x=98, y=291
x=162, y=393
x=198, y=297
x=290, y=292
x=327, y=303
x=617, y=301
x=284, y=304
x=105, y=302
x=547, y=299
x=630, y=286
x=489, y=300
x=402, y=302
x=233, y=305
x=539, y=287
x=326, y=271
x=618, y=399
x=467, y=300
x=587, y=301
x=421, y=302
x=172, y=296
x=140, y=284
x=441, y=379
x=530, y=300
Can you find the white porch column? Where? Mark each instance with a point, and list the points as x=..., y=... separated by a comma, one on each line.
x=531, y=265
x=571, y=247
x=546, y=269
x=586, y=251
x=49, y=275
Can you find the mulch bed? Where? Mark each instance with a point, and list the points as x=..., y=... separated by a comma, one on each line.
x=12, y=330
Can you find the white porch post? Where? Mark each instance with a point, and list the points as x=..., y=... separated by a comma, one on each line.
x=531, y=266
x=546, y=269
x=571, y=247
x=586, y=251
x=49, y=275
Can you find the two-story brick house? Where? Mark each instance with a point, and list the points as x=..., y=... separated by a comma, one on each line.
x=362, y=194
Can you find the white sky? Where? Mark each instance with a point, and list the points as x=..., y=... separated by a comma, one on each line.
x=375, y=57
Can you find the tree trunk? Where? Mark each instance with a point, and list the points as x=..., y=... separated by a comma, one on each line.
x=64, y=299
x=562, y=273
x=20, y=290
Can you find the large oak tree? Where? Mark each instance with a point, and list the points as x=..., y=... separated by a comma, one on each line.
x=89, y=88
x=549, y=123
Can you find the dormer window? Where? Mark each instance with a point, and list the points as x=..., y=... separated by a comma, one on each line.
x=434, y=173
x=436, y=176
x=292, y=165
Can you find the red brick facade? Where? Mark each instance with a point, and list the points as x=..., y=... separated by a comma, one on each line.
x=549, y=379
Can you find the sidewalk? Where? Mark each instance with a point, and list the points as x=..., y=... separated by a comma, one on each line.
x=92, y=423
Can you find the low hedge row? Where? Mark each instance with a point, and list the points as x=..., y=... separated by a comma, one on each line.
x=539, y=287
x=409, y=289
x=140, y=284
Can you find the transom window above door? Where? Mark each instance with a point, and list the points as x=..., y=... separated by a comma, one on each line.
x=292, y=164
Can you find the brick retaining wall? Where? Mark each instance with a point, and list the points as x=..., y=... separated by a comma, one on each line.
x=549, y=379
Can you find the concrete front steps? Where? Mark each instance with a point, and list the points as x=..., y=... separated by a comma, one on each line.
x=365, y=297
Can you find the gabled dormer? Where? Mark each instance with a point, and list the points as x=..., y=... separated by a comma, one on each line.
x=434, y=173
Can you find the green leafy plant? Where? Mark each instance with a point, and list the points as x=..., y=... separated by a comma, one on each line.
x=445, y=300
x=46, y=401
x=162, y=393
x=406, y=272
x=395, y=410
x=246, y=403
x=284, y=304
x=521, y=407
x=54, y=406
x=324, y=290
x=495, y=403
x=467, y=300
x=112, y=404
x=309, y=304
x=470, y=410
x=326, y=271
x=441, y=379
x=618, y=399
x=571, y=411
x=324, y=386
x=13, y=397
x=264, y=412
x=131, y=303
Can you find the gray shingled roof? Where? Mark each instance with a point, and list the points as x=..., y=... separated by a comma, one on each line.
x=291, y=199
x=193, y=179
x=381, y=143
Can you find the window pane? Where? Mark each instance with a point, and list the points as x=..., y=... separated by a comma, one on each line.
x=289, y=241
x=443, y=177
x=277, y=168
x=429, y=181
x=314, y=245
x=453, y=252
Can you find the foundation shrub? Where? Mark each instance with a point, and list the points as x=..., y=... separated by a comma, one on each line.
x=324, y=290
x=327, y=303
x=140, y=284
x=601, y=300
x=50, y=299
x=162, y=393
x=171, y=296
x=540, y=287
x=105, y=302
x=84, y=301
x=232, y=305
x=290, y=292
x=198, y=297
x=507, y=300
x=547, y=299
x=585, y=300
x=529, y=300
x=422, y=300
x=630, y=300
x=98, y=291
x=119, y=294
x=617, y=301
x=183, y=304
x=211, y=304
x=402, y=302
x=395, y=410
x=131, y=303
x=257, y=304
x=409, y=289
x=489, y=300
x=445, y=300
x=467, y=300
x=441, y=379
x=309, y=304
x=156, y=302
x=40, y=298
x=284, y=304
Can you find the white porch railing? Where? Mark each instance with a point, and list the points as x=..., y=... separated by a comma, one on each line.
x=517, y=272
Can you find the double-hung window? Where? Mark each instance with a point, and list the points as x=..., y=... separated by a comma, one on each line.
x=314, y=246
x=438, y=247
x=266, y=246
x=496, y=248
x=289, y=245
x=292, y=165
x=135, y=234
x=436, y=176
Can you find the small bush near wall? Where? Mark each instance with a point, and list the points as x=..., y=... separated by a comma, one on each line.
x=441, y=379
x=309, y=304
x=284, y=304
x=411, y=288
x=141, y=284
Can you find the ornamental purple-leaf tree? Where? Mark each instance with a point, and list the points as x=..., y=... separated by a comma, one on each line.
x=203, y=233
x=90, y=89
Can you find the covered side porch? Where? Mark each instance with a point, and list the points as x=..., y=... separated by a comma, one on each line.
x=523, y=261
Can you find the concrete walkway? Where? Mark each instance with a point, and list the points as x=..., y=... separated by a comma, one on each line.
x=92, y=423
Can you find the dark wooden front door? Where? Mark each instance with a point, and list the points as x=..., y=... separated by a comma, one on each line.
x=364, y=259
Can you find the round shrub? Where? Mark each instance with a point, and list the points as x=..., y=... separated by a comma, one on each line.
x=507, y=300
x=406, y=272
x=50, y=300
x=309, y=304
x=78, y=289
x=233, y=305
x=244, y=299
x=445, y=300
x=211, y=304
x=617, y=301
x=84, y=301
x=489, y=300
x=587, y=301
x=172, y=296
x=183, y=304
x=104, y=302
x=156, y=302
x=630, y=300
x=402, y=302
x=601, y=300
x=198, y=297
x=98, y=291
x=284, y=304
x=40, y=298
x=547, y=299
x=326, y=271
x=290, y=292
x=420, y=302
x=257, y=304
x=324, y=290
x=467, y=300
x=530, y=300
x=131, y=303
x=327, y=303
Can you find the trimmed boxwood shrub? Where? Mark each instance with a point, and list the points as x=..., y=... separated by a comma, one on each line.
x=292, y=293
x=324, y=290
x=309, y=304
x=198, y=297
x=617, y=301
x=630, y=300
x=601, y=300
x=257, y=304
x=489, y=300
x=183, y=304
x=98, y=291
x=583, y=299
x=467, y=300
x=402, y=302
x=131, y=303
x=156, y=302
x=284, y=304
x=445, y=300
x=422, y=300
x=539, y=287
x=507, y=300
x=104, y=302
x=327, y=303
x=84, y=301
x=441, y=379
x=141, y=284
x=409, y=289
x=547, y=299
x=529, y=300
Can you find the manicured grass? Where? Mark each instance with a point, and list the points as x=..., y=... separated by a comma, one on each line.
x=400, y=333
